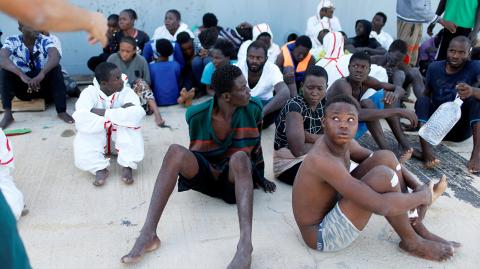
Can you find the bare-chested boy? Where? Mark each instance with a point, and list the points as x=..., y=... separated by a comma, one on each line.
x=373, y=96
x=378, y=185
x=224, y=161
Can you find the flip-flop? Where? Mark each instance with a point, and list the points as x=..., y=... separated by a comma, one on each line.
x=12, y=132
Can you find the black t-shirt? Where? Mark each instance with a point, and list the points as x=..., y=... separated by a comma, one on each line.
x=312, y=119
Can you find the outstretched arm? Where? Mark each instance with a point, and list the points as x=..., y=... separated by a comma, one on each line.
x=58, y=16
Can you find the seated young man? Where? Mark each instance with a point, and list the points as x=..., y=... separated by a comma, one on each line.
x=221, y=162
x=165, y=75
x=294, y=59
x=299, y=125
x=265, y=81
x=373, y=96
x=362, y=41
x=446, y=79
x=399, y=73
x=31, y=69
x=263, y=33
x=135, y=67
x=332, y=205
x=382, y=37
x=106, y=112
x=222, y=53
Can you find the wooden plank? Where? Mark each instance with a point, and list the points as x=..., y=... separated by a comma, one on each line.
x=33, y=105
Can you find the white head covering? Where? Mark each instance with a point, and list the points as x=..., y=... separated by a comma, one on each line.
x=259, y=29
x=322, y=4
x=335, y=61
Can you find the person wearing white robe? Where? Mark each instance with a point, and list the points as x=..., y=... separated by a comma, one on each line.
x=257, y=30
x=12, y=194
x=172, y=21
x=317, y=23
x=336, y=61
x=119, y=130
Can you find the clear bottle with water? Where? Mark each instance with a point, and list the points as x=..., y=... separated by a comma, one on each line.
x=441, y=122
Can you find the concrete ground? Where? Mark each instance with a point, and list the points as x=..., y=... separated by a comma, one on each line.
x=73, y=224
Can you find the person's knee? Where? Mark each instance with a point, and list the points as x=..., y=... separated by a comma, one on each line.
x=367, y=103
x=175, y=152
x=240, y=162
x=382, y=179
x=387, y=158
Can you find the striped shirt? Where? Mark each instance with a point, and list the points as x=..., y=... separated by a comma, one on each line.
x=245, y=135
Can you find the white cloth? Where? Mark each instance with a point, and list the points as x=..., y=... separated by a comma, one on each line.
x=56, y=43
x=336, y=62
x=270, y=77
x=315, y=24
x=92, y=139
x=273, y=50
x=12, y=194
x=162, y=32
x=384, y=38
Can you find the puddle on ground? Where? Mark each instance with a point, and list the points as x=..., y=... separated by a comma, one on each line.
x=68, y=133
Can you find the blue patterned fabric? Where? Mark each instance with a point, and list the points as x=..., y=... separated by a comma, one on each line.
x=21, y=56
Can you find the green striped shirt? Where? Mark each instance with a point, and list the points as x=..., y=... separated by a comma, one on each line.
x=246, y=127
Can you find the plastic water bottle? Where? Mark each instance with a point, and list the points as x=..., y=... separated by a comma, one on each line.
x=441, y=122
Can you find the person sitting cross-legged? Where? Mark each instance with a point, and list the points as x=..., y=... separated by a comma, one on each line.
x=332, y=205
x=224, y=161
x=30, y=69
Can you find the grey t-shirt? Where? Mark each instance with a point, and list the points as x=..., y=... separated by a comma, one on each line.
x=135, y=69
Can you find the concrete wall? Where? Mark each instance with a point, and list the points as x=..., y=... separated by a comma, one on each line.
x=283, y=16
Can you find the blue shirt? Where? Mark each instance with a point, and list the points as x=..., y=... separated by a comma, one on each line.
x=21, y=56
x=150, y=53
x=208, y=72
x=442, y=85
x=165, y=77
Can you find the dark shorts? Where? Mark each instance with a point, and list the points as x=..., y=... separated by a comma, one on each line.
x=288, y=176
x=205, y=182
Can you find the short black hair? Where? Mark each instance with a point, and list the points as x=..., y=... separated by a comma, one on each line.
x=384, y=17
x=360, y=55
x=398, y=45
x=209, y=20
x=223, y=78
x=292, y=37
x=183, y=38
x=461, y=39
x=113, y=17
x=226, y=47
x=316, y=71
x=131, y=13
x=208, y=37
x=164, y=47
x=342, y=98
x=258, y=44
x=303, y=41
x=103, y=70
x=176, y=13
x=130, y=40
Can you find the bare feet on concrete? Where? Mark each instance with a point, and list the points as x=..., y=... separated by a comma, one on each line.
x=143, y=244
x=242, y=258
x=127, y=175
x=7, y=119
x=428, y=249
x=66, y=117
x=100, y=177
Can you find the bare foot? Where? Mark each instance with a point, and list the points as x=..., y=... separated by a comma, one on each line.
x=428, y=249
x=7, y=119
x=127, y=175
x=421, y=230
x=439, y=188
x=405, y=155
x=159, y=120
x=189, y=97
x=242, y=258
x=142, y=245
x=100, y=177
x=473, y=165
x=66, y=117
x=183, y=96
